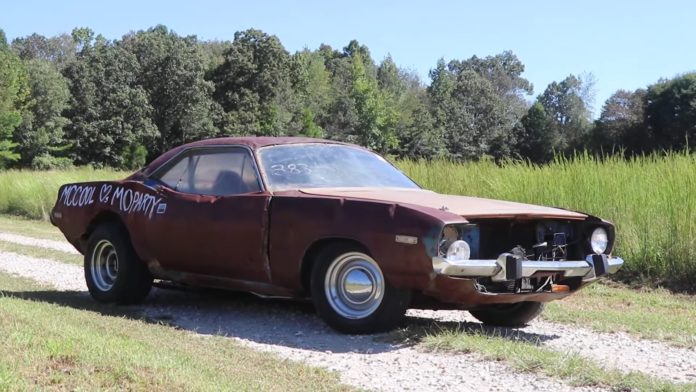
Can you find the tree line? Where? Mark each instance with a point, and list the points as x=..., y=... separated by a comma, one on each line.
x=76, y=99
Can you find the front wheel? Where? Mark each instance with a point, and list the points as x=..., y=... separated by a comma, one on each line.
x=512, y=315
x=113, y=271
x=351, y=295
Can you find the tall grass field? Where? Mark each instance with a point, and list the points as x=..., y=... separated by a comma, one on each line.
x=33, y=193
x=652, y=200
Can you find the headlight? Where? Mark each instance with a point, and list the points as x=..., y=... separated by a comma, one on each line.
x=458, y=251
x=599, y=240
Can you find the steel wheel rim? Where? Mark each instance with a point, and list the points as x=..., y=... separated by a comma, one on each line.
x=104, y=265
x=354, y=285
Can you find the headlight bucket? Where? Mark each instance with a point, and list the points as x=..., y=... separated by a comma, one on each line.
x=599, y=240
x=458, y=251
x=459, y=242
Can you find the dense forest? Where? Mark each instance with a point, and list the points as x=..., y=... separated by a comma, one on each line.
x=78, y=98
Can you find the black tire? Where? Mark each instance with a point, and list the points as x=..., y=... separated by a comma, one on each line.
x=388, y=312
x=128, y=283
x=512, y=315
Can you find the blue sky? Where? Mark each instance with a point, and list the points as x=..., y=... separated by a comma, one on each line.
x=624, y=44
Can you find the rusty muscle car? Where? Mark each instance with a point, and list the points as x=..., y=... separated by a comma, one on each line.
x=334, y=222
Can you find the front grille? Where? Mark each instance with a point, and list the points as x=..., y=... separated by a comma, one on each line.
x=535, y=240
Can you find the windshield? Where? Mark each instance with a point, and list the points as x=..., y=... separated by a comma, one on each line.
x=296, y=166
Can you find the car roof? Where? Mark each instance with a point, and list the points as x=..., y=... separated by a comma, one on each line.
x=255, y=142
x=252, y=142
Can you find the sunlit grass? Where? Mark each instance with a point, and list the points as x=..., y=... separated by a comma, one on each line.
x=33, y=193
x=60, y=341
x=647, y=313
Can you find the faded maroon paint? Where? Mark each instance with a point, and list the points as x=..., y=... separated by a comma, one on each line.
x=298, y=220
x=258, y=242
x=225, y=236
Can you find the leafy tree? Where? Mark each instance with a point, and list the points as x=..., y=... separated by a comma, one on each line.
x=421, y=138
x=213, y=53
x=405, y=95
x=504, y=73
x=41, y=130
x=13, y=94
x=134, y=156
x=375, y=120
x=58, y=50
x=109, y=111
x=83, y=37
x=538, y=138
x=340, y=120
x=621, y=123
x=309, y=125
x=565, y=104
x=253, y=85
x=468, y=110
x=389, y=78
x=312, y=89
x=172, y=73
x=671, y=112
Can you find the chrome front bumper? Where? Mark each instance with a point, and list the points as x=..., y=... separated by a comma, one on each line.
x=509, y=267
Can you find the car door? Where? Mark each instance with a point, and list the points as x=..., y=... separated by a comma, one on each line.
x=215, y=214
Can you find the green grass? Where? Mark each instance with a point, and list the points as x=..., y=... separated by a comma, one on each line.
x=530, y=357
x=652, y=201
x=650, y=314
x=59, y=341
x=30, y=227
x=33, y=194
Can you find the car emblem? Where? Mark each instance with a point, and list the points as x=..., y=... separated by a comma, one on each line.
x=406, y=239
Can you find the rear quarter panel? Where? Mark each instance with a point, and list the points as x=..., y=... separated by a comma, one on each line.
x=79, y=204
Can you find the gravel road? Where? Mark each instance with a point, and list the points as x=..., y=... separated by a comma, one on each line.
x=292, y=331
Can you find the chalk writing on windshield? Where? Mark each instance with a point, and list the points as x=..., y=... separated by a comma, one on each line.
x=291, y=168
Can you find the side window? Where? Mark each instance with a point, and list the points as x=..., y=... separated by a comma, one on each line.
x=214, y=172
x=177, y=177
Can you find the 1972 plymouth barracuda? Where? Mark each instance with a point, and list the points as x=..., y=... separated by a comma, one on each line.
x=298, y=217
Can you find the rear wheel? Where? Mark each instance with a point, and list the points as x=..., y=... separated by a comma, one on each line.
x=350, y=293
x=509, y=315
x=113, y=272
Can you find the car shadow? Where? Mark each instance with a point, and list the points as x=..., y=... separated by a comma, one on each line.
x=288, y=323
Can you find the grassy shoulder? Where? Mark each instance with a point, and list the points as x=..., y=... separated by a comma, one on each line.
x=58, y=341
x=528, y=357
x=30, y=227
x=650, y=314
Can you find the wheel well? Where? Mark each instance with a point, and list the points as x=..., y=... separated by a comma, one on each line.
x=101, y=218
x=313, y=251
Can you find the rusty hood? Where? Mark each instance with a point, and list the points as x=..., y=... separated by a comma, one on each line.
x=466, y=206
